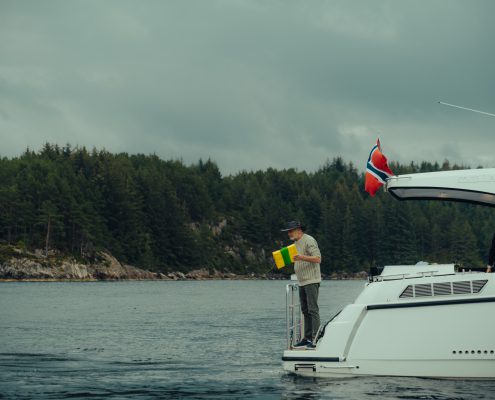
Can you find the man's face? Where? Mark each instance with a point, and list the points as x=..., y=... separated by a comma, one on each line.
x=295, y=234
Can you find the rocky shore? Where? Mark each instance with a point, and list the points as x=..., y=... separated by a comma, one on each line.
x=35, y=266
x=38, y=267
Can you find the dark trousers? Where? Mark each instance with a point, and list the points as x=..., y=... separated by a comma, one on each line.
x=308, y=297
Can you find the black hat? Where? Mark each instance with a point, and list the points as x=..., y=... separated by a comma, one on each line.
x=293, y=225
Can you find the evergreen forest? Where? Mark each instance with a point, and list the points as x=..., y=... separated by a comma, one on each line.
x=163, y=215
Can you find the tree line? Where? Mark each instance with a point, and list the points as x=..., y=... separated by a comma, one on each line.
x=164, y=215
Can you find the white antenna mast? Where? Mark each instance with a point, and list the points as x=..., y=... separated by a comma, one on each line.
x=468, y=109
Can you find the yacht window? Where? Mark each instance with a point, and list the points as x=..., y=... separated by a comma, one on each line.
x=433, y=193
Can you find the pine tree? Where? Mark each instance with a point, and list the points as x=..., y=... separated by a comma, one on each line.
x=164, y=214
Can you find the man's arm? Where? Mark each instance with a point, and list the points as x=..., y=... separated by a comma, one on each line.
x=314, y=255
x=311, y=259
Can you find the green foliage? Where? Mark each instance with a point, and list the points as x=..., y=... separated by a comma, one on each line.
x=164, y=215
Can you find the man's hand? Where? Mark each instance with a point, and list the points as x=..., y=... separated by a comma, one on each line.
x=298, y=257
x=488, y=268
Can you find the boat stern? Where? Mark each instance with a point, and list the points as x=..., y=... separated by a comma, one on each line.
x=315, y=363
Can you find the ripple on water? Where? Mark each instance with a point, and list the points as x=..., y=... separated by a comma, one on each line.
x=173, y=340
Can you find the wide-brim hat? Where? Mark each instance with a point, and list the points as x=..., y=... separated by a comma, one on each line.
x=293, y=225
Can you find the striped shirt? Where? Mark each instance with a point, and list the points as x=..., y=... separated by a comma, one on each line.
x=307, y=272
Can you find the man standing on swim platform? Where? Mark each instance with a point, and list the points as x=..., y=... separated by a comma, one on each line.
x=307, y=269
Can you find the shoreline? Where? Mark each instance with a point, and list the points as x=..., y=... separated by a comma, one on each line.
x=35, y=267
x=238, y=278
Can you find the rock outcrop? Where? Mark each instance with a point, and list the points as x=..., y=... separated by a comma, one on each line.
x=37, y=267
x=24, y=268
x=198, y=274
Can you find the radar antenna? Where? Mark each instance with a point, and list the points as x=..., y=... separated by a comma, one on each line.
x=468, y=109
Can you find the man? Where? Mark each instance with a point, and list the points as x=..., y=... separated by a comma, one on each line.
x=491, y=256
x=307, y=268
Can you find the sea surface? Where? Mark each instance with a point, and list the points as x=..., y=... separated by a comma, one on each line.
x=175, y=340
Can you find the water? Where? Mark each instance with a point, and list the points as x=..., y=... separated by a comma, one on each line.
x=160, y=340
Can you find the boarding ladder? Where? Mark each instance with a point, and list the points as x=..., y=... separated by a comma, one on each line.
x=295, y=321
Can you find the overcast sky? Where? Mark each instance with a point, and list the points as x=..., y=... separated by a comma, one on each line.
x=250, y=84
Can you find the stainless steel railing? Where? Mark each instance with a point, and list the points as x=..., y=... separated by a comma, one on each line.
x=295, y=321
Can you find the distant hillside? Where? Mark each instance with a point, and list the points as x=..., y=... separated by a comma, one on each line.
x=165, y=216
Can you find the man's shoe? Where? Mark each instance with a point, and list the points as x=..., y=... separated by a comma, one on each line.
x=310, y=345
x=302, y=344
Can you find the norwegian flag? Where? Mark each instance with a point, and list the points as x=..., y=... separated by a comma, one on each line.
x=377, y=170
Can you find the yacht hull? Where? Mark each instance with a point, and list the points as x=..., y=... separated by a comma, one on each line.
x=436, y=326
x=441, y=369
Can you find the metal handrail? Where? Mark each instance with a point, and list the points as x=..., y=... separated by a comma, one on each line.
x=293, y=315
x=406, y=275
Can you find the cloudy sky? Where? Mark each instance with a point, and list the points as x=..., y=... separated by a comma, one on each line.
x=251, y=84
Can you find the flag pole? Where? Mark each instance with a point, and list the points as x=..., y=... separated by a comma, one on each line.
x=468, y=109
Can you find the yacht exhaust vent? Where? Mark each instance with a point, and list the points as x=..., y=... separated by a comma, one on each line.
x=463, y=287
x=443, y=289
x=422, y=290
x=478, y=285
x=408, y=292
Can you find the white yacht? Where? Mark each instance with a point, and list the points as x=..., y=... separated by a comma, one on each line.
x=423, y=320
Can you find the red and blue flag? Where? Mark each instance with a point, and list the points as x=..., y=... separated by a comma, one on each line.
x=377, y=170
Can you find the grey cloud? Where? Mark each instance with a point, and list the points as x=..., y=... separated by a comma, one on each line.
x=250, y=84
